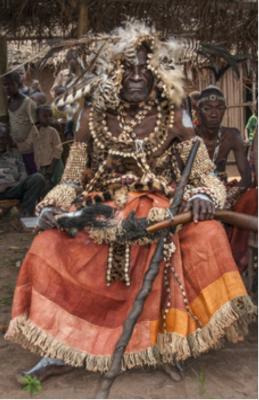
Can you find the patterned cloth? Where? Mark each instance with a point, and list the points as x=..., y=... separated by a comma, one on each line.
x=63, y=309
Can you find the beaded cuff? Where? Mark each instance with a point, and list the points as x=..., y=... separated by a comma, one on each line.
x=202, y=179
x=62, y=195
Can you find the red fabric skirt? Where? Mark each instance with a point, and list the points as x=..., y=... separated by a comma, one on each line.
x=63, y=308
x=247, y=204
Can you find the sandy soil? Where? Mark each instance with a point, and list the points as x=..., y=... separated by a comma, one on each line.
x=228, y=373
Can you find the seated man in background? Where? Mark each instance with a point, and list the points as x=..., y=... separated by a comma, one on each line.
x=220, y=141
x=14, y=182
x=47, y=148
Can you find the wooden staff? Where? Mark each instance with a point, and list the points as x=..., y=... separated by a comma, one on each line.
x=240, y=220
x=149, y=278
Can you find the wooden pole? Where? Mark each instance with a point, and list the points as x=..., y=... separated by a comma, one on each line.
x=83, y=20
x=3, y=68
x=240, y=220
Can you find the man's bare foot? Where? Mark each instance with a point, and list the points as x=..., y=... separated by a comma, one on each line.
x=44, y=369
x=174, y=371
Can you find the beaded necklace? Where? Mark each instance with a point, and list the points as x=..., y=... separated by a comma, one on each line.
x=127, y=143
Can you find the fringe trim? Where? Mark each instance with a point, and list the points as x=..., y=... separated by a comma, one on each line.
x=229, y=322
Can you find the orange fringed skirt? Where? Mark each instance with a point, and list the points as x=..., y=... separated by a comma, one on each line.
x=62, y=307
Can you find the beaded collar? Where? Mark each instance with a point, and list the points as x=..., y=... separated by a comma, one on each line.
x=127, y=144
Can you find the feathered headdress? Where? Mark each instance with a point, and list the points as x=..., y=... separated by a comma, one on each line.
x=102, y=82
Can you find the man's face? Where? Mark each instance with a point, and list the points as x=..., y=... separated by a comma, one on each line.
x=44, y=117
x=137, y=80
x=22, y=74
x=11, y=87
x=212, y=113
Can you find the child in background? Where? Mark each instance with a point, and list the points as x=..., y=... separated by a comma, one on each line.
x=47, y=148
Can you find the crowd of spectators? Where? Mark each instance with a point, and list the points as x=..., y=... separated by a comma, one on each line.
x=31, y=149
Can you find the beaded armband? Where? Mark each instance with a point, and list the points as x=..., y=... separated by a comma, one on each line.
x=75, y=164
x=202, y=179
x=63, y=194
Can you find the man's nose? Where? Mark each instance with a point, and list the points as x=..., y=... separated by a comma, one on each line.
x=214, y=113
x=136, y=73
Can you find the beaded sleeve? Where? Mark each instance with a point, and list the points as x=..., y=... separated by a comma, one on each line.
x=63, y=194
x=202, y=179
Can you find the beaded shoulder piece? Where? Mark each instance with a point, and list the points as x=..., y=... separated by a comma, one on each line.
x=202, y=178
x=63, y=194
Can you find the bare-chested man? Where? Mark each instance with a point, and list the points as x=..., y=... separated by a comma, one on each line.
x=221, y=140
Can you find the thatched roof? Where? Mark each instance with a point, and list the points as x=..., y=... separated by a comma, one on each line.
x=228, y=22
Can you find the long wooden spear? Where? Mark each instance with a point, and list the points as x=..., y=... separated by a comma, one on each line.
x=149, y=278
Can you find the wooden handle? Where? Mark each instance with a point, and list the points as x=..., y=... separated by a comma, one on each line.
x=240, y=220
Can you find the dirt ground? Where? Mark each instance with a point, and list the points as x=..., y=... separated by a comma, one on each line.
x=228, y=373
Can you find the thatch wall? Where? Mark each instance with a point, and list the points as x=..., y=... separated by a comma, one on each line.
x=233, y=23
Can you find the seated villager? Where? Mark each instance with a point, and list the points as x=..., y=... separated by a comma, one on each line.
x=47, y=148
x=219, y=141
x=73, y=294
x=14, y=182
x=22, y=115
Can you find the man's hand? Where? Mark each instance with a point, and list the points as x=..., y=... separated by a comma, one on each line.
x=201, y=209
x=47, y=218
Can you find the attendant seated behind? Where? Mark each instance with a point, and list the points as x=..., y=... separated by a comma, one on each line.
x=220, y=140
x=22, y=116
x=14, y=182
x=47, y=148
